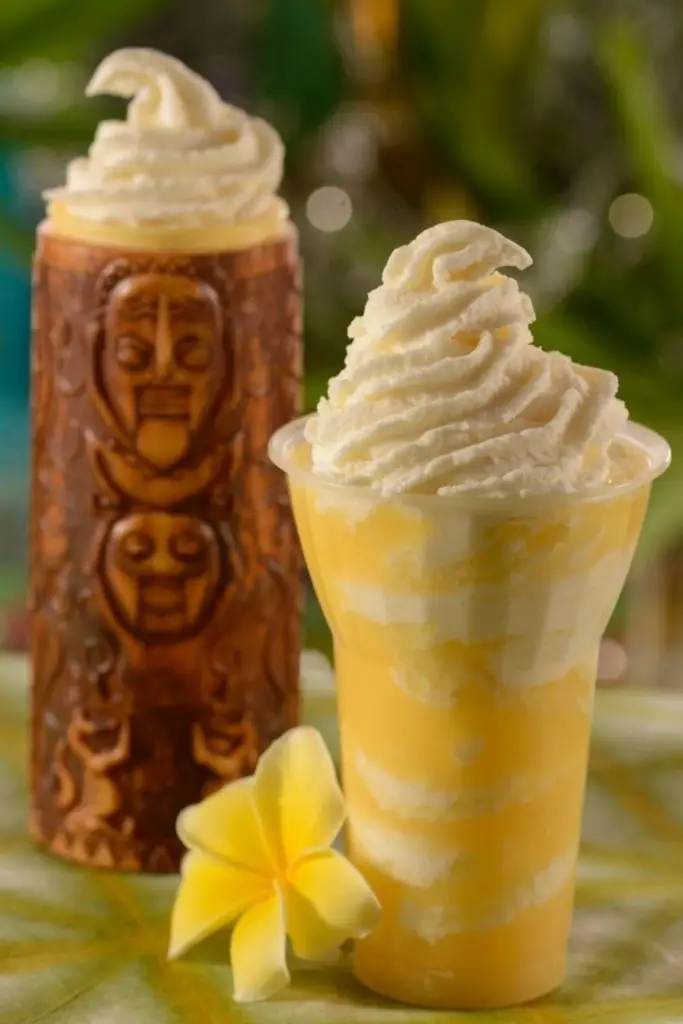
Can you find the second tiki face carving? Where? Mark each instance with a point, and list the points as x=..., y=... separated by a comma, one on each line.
x=161, y=591
x=162, y=365
x=161, y=574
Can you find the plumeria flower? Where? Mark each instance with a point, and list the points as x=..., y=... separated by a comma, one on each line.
x=259, y=859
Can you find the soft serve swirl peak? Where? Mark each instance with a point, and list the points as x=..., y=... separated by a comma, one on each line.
x=443, y=391
x=182, y=155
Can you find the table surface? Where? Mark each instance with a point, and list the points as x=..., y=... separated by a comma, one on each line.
x=88, y=947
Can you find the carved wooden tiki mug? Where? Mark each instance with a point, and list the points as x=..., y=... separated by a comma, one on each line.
x=165, y=588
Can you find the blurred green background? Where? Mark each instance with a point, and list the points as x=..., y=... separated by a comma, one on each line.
x=558, y=122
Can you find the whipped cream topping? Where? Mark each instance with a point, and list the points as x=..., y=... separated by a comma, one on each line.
x=443, y=391
x=181, y=155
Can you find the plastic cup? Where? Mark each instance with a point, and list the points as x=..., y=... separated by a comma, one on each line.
x=466, y=637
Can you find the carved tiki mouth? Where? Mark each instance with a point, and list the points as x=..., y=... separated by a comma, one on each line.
x=162, y=605
x=164, y=402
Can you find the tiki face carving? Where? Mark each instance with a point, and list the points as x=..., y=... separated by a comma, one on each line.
x=161, y=573
x=162, y=362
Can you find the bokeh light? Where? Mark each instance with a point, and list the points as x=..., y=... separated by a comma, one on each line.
x=631, y=215
x=39, y=85
x=613, y=661
x=350, y=143
x=329, y=208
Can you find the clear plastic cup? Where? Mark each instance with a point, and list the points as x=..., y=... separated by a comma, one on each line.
x=466, y=636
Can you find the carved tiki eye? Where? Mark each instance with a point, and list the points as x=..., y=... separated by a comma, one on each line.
x=133, y=353
x=138, y=546
x=193, y=353
x=188, y=546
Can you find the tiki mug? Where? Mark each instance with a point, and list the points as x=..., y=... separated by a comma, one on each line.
x=165, y=572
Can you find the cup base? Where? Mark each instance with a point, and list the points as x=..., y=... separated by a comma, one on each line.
x=404, y=983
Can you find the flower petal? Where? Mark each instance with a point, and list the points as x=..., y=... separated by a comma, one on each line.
x=328, y=902
x=299, y=801
x=258, y=949
x=226, y=824
x=211, y=895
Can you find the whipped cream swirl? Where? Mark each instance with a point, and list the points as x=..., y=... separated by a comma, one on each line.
x=443, y=391
x=182, y=154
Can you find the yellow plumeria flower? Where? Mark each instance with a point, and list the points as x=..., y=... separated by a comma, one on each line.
x=260, y=859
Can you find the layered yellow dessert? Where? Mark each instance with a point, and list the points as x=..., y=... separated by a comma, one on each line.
x=184, y=171
x=469, y=506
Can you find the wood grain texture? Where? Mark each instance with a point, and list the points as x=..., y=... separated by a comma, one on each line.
x=165, y=570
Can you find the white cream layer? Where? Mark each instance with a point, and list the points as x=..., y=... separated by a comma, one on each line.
x=181, y=156
x=444, y=392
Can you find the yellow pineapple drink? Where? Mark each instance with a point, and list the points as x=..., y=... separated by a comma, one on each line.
x=466, y=643
x=468, y=507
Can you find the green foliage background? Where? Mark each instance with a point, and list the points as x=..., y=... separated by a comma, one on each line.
x=530, y=115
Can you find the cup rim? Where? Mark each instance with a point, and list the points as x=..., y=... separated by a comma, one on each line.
x=655, y=448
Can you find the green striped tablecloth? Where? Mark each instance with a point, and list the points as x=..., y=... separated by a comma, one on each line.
x=87, y=947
